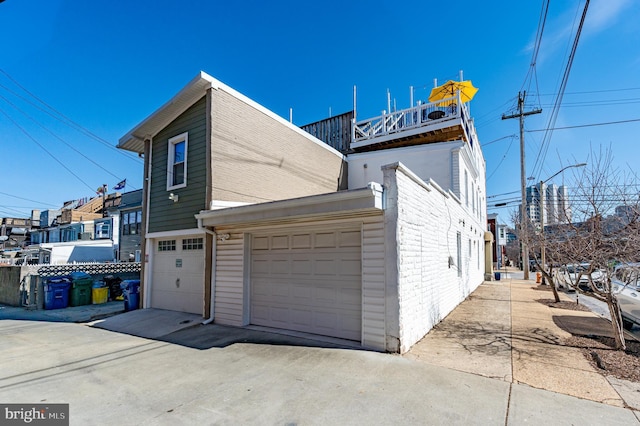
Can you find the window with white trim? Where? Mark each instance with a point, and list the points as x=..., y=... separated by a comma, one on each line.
x=102, y=230
x=177, y=161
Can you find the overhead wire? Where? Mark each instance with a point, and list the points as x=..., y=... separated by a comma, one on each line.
x=513, y=137
x=34, y=140
x=586, y=125
x=60, y=139
x=46, y=108
x=54, y=113
x=537, y=168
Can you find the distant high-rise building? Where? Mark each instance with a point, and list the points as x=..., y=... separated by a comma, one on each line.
x=553, y=208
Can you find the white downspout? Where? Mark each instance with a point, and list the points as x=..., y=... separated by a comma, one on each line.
x=213, y=271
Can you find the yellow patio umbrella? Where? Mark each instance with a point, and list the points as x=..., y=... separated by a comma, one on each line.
x=450, y=89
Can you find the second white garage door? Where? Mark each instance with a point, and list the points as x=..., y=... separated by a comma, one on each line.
x=308, y=281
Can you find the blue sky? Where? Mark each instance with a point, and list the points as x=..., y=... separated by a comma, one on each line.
x=105, y=66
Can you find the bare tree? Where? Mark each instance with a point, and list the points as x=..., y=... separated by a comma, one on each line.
x=597, y=237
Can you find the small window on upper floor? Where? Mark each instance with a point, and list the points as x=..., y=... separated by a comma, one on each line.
x=103, y=230
x=177, y=162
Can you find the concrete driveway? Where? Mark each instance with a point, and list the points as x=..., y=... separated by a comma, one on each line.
x=207, y=374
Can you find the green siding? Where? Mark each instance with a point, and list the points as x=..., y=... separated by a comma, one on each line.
x=164, y=214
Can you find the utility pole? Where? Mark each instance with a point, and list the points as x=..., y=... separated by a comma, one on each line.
x=543, y=246
x=523, y=179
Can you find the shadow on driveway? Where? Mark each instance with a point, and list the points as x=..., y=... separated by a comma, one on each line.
x=186, y=329
x=220, y=336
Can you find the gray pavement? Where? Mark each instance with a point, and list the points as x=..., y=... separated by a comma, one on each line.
x=159, y=367
x=83, y=313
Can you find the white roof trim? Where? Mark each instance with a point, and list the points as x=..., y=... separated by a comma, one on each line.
x=363, y=200
x=194, y=90
x=176, y=233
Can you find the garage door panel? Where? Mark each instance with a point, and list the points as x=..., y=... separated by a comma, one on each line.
x=280, y=267
x=325, y=240
x=326, y=266
x=350, y=268
x=260, y=266
x=301, y=241
x=318, y=291
x=259, y=313
x=280, y=242
x=301, y=319
x=350, y=239
x=302, y=294
x=301, y=267
x=326, y=321
x=260, y=243
x=326, y=295
x=350, y=298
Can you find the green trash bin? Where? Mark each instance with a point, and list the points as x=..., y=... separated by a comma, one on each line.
x=81, y=284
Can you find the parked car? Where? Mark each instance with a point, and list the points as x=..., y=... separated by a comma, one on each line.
x=573, y=275
x=626, y=286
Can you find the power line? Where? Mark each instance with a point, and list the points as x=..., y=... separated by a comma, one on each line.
x=588, y=92
x=586, y=125
x=531, y=74
x=26, y=199
x=54, y=113
x=59, y=138
x=500, y=195
x=563, y=85
x=43, y=148
x=499, y=139
x=503, y=157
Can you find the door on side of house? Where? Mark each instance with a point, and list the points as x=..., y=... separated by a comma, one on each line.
x=308, y=281
x=178, y=274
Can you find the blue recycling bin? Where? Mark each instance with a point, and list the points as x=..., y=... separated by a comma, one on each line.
x=56, y=292
x=496, y=276
x=131, y=293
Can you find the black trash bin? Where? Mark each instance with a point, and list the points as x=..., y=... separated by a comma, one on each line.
x=115, y=292
x=131, y=293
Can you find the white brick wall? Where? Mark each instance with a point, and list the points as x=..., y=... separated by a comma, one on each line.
x=428, y=220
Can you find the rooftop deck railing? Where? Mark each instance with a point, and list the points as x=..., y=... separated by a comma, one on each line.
x=423, y=115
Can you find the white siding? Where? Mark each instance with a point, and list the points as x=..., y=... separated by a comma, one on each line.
x=229, y=293
x=373, y=283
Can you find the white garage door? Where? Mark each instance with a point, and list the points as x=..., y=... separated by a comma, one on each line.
x=308, y=281
x=177, y=282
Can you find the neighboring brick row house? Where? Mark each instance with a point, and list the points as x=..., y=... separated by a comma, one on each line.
x=250, y=220
x=112, y=235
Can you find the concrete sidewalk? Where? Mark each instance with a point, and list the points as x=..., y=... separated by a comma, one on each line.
x=501, y=331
